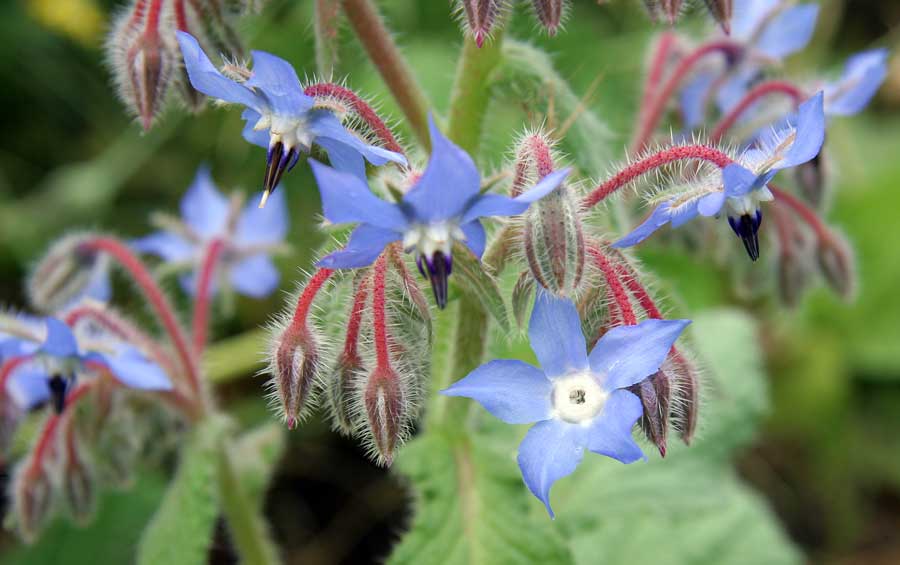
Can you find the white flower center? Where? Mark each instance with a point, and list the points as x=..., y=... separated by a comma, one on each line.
x=427, y=239
x=578, y=398
x=748, y=204
x=289, y=130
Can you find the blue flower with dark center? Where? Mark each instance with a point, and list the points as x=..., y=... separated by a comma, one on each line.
x=53, y=365
x=280, y=116
x=577, y=399
x=249, y=236
x=444, y=206
x=742, y=185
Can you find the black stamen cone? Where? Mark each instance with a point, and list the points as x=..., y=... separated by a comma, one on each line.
x=438, y=267
x=58, y=387
x=747, y=228
x=278, y=161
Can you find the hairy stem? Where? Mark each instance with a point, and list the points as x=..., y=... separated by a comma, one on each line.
x=326, y=30
x=394, y=70
x=204, y=294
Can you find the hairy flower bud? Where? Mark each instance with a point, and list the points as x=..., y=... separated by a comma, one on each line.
x=655, y=395
x=685, y=395
x=480, y=16
x=549, y=13
x=66, y=273
x=793, y=277
x=295, y=363
x=32, y=499
x=811, y=180
x=836, y=263
x=385, y=410
x=78, y=485
x=554, y=242
x=144, y=57
x=721, y=12
x=340, y=390
x=671, y=8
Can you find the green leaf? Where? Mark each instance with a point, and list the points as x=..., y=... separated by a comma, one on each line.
x=522, y=296
x=182, y=528
x=468, y=270
x=256, y=455
x=470, y=508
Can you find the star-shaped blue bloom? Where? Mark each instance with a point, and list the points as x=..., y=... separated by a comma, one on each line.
x=280, y=116
x=444, y=206
x=576, y=400
x=743, y=184
x=250, y=236
x=56, y=362
x=861, y=79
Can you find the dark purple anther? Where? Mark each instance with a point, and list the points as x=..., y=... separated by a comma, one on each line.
x=58, y=386
x=747, y=227
x=439, y=267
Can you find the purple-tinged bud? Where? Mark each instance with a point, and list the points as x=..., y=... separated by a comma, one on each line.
x=144, y=57
x=480, y=16
x=554, y=242
x=78, y=485
x=295, y=365
x=66, y=273
x=837, y=264
x=721, y=12
x=793, y=278
x=385, y=413
x=549, y=13
x=685, y=385
x=32, y=499
x=655, y=394
x=811, y=180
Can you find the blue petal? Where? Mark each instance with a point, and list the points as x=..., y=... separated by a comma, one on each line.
x=734, y=88
x=347, y=199
x=254, y=136
x=475, y=237
x=748, y=16
x=166, y=245
x=450, y=181
x=278, y=81
x=487, y=205
x=863, y=75
x=60, y=341
x=511, y=390
x=685, y=212
x=207, y=79
x=809, y=136
x=343, y=157
x=365, y=245
x=544, y=187
x=550, y=451
x=693, y=98
x=203, y=207
x=789, y=31
x=27, y=387
x=256, y=276
x=626, y=355
x=131, y=368
x=711, y=204
x=555, y=335
x=738, y=181
x=657, y=219
x=324, y=124
x=263, y=226
x=610, y=432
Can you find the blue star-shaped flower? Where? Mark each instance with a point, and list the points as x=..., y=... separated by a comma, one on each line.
x=743, y=184
x=250, y=237
x=55, y=362
x=444, y=206
x=861, y=79
x=577, y=400
x=280, y=116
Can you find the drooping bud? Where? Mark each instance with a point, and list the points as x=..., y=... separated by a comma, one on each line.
x=549, y=13
x=78, y=485
x=836, y=262
x=385, y=413
x=655, y=395
x=811, y=180
x=480, y=17
x=66, y=274
x=671, y=8
x=118, y=447
x=721, y=12
x=793, y=277
x=143, y=55
x=340, y=387
x=686, y=395
x=32, y=499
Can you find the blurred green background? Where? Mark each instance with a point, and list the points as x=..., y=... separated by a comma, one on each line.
x=828, y=460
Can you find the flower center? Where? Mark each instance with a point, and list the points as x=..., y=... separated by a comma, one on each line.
x=578, y=398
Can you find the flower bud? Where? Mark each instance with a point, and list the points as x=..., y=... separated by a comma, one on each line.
x=554, y=242
x=118, y=447
x=295, y=360
x=793, y=277
x=340, y=390
x=721, y=12
x=480, y=17
x=385, y=410
x=66, y=274
x=811, y=180
x=836, y=262
x=78, y=486
x=671, y=8
x=32, y=499
x=685, y=393
x=144, y=57
x=549, y=13
x=655, y=395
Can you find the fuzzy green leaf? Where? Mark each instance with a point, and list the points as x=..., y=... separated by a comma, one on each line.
x=522, y=297
x=256, y=455
x=467, y=270
x=181, y=530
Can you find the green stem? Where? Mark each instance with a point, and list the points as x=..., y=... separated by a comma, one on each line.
x=247, y=527
x=468, y=106
x=326, y=30
x=394, y=70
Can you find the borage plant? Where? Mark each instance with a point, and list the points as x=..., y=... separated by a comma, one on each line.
x=361, y=338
